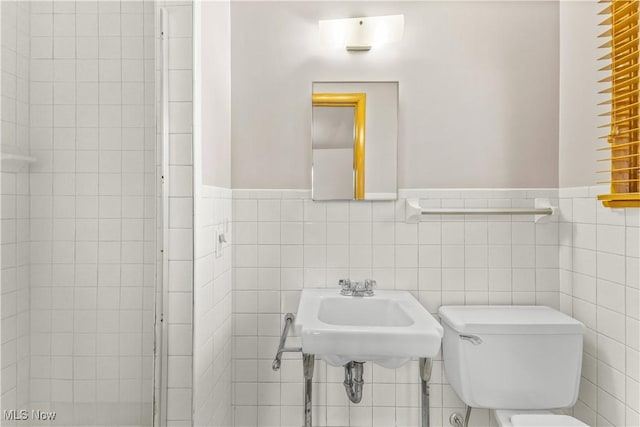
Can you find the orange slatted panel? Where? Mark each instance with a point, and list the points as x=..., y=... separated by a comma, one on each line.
x=623, y=78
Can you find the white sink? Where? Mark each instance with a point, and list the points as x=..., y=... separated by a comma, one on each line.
x=389, y=328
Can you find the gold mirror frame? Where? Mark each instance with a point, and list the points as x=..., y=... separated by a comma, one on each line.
x=359, y=102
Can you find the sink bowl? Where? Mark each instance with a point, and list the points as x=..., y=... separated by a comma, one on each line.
x=389, y=328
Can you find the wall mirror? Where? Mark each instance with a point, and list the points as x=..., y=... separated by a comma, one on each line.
x=354, y=140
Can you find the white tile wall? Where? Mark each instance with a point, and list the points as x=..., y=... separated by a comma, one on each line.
x=92, y=201
x=212, y=309
x=599, y=285
x=14, y=233
x=284, y=242
x=92, y=195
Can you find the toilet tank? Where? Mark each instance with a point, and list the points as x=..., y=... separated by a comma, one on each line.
x=512, y=357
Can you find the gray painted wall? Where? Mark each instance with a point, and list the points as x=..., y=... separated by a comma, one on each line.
x=579, y=92
x=216, y=94
x=478, y=90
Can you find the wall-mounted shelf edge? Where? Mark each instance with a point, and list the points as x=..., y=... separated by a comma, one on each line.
x=542, y=210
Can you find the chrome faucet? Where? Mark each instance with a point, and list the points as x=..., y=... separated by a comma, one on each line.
x=357, y=289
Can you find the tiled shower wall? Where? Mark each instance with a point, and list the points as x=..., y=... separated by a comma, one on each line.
x=284, y=242
x=92, y=210
x=600, y=285
x=212, y=309
x=15, y=206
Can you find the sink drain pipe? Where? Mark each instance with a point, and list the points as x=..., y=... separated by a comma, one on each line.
x=353, y=381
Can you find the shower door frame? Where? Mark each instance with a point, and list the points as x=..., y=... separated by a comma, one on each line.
x=161, y=354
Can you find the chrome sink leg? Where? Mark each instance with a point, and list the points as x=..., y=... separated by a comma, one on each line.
x=425, y=366
x=307, y=366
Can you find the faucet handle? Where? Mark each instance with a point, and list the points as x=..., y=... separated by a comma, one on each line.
x=345, y=286
x=369, y=285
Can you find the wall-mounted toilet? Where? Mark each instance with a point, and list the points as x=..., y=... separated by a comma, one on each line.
x=520, y=361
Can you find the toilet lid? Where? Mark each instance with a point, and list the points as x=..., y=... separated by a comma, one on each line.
x=545, y=420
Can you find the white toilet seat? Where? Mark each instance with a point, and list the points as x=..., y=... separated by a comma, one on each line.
x=545, y=420
x=535, y=419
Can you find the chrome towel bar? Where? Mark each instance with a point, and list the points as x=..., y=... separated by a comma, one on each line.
x=542, y=209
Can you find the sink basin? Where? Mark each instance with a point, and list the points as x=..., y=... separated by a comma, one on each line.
x=350, y=311
x=389, y=328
